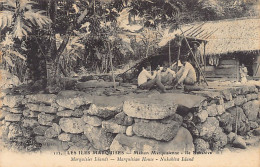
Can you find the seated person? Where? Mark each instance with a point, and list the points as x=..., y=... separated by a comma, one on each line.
x=169, y=73
x=174, y=65
x=186, y=75
x=147, y=81
x=167, y=76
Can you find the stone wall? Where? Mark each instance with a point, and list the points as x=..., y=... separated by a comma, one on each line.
x=73, y=120
x=224, y=112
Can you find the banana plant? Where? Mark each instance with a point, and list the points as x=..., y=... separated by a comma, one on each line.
x=20, y=17
x=73, y=51
x=11, y=57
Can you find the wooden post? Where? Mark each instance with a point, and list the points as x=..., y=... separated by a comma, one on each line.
x=237, y=69
x=179, y=42
x=170, y=59
x=178, y=57
x=147, y=50
x=204, y=55
x=113, y=75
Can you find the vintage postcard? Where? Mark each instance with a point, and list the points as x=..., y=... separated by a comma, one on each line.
x=129, y=83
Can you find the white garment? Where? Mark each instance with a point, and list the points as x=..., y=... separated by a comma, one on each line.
x=243, y=74
x=144, y=76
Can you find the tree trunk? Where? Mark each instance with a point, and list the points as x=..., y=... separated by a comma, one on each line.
x=50, y=63
x=53, y=54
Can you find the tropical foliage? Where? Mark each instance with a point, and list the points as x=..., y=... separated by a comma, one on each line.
x=48, y=38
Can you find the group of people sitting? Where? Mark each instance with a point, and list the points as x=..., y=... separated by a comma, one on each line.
x=168, y=75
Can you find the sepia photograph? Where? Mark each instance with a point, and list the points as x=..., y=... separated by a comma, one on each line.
x=129, y=83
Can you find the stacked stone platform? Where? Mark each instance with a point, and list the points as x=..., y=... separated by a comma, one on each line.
x=72, y=120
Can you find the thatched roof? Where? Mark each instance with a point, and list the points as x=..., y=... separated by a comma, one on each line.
x=231, y=36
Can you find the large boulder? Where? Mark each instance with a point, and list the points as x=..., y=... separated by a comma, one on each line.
x=239, y=142
x=251, y=109
x=16, y=110
x=5, y=130
x=238, y=115
x=212, y=110
x=256, y=132
x=201, y=145
x=30, y=123
x=92, y=120
x=41, y=98
x=249, y=97
x=254, y=96
x=149, y=108
x=40, y=130
x=72, y=125
x=65, y=113
x=220, y=109
x=122, y=119
x=73, y=102
x=53, y=131
x=13, y=100
x=46, y=119
x=182, y=142
x=13, y=117
x=113, y=127
x=202, y=116
x=3, y=113
x=229, y=104
x=99, y=138
x=226, y=94
x=156, y=130
x=41, y=108
x=65, y=137
x=14, y=131
x=30, y=114
x=231, y=137
x=207, y=128
x=219, y=139
x=103, y=111
x=77, y=113
x=239, y=100
x=225, y=121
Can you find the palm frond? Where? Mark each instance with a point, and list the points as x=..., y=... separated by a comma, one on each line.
x=10, y=3
x=9, y=61
x=6, y=18
x=17, y=54
x=26, y=4
x=19, y=31
x=37, y=18
x=27, y=28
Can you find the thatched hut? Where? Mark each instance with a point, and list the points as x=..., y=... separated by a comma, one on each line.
x=228, y=44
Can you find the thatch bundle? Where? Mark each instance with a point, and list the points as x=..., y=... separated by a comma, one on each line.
x=231, y=35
